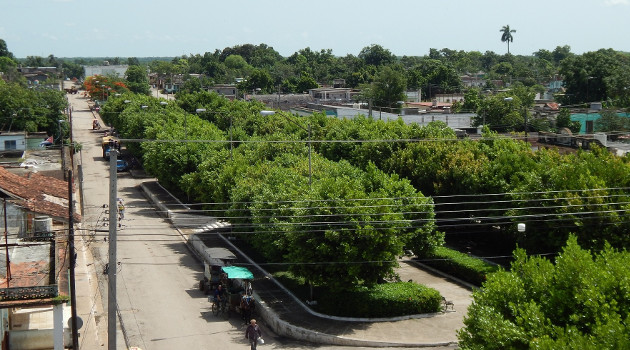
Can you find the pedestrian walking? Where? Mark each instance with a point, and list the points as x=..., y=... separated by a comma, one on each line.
x=121, y=209
x=253, y=334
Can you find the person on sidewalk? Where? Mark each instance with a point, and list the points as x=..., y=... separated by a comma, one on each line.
x=121, y=209
x=253, y=333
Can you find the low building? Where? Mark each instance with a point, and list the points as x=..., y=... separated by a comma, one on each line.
x=116, y=70
x=227, y=90
x=332, y=94
x=33, y=282
x=12, y=141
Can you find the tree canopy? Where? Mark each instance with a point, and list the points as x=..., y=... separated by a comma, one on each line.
x=581, y=301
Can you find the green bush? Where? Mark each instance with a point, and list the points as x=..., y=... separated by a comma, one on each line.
x=382, y=300
x=470, y=269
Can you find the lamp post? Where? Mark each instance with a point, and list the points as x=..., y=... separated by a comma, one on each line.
x=102, y=92
x=587, y=79
x=310, y=169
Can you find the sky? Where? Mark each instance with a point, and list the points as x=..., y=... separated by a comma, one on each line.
x=159, y=28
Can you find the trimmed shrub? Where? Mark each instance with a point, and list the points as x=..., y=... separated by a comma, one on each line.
x=467, y=268
x=382, y=300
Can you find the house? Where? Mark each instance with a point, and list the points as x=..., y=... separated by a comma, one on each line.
x=12, y=141
x=33, y=282
x=36, y=76
x=227, y=90
x=339, y=83
x=475, y=80
x=449, y=98
x=332, y=94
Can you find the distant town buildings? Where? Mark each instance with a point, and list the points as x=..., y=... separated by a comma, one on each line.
x=116, y=70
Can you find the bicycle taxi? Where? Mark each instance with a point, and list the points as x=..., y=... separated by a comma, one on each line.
x=238, y=296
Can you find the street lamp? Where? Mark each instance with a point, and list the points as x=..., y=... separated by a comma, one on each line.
x=310, y=169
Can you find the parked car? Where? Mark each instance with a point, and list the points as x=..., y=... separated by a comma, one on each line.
x=122, y=165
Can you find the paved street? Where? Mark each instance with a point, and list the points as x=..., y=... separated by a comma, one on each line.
x=159, y=304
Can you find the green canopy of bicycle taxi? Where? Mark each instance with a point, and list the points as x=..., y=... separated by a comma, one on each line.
x=238, y=272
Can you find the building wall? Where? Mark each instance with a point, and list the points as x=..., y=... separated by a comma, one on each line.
x=586, y=118
x=10, y=142
x=118, y=71
x=16, y=219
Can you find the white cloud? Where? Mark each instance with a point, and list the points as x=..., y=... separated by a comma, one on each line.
x=617, y=2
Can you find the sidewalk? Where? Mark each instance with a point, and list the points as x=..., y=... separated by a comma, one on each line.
x=289, y=317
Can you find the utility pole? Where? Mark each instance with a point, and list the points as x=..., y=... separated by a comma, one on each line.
x=73, y=260
x=111, y=273
x=6, y=240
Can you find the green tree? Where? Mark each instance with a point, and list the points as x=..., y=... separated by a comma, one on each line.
x=235, y=62
x=137, y=80
x=305, y=83
x=4, y=51
x=472, y=100
x=501, y=114
x=506, y=35
x=580, y=302
x=389, y=87
x=34, y=61
x=259, y=79
x=610, y=121
x=133, y=61
x=595, y=76
x=376, y=55
x=564, y=121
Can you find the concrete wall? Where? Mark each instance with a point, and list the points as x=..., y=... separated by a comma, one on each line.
x=16, y=220
x=19, y=139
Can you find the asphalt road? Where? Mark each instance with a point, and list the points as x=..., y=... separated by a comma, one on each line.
x=158, y=301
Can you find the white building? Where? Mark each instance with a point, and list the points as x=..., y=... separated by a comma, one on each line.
x=118, y=70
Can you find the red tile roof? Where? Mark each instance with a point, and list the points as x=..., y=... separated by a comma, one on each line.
x=37, y=193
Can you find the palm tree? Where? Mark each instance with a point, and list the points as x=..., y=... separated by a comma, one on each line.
x=507, y=35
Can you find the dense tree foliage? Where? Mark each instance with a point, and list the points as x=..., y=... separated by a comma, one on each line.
x=137, y=80
x=30, y=109
x=580, y=302
x=597, y=76
x=360, y=218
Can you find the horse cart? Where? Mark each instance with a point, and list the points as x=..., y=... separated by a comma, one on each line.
x=214, y=260
x=237, y=296
x=234, y=280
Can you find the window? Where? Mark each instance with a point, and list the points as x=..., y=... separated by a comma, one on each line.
x=10, y=144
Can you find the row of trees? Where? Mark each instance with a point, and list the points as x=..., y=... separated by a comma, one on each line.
x=337, y=225
x=554, y=194
x=346, y=227
x=594, y=76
